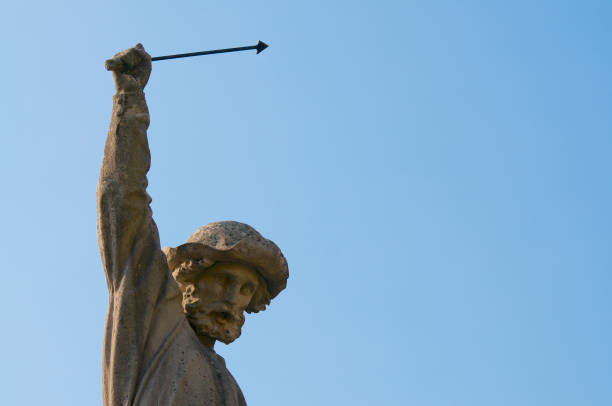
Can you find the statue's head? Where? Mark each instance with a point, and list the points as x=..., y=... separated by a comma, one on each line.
x=223, y=270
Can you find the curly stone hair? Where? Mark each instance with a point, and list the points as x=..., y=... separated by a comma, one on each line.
x=188, y=273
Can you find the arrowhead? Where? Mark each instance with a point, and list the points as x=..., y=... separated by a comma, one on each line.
x=261, y=46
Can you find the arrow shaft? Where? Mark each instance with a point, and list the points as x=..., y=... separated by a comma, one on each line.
x=214, y=51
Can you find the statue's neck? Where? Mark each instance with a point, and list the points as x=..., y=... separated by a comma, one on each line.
x=207, y=341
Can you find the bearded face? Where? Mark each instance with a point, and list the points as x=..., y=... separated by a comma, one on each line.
x=216, y=302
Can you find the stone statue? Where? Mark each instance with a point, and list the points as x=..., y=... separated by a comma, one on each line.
x=167, y=307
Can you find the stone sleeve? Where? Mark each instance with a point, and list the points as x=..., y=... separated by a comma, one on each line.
x=124, y=215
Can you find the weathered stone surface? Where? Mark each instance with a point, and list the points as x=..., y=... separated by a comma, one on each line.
x=168, y=307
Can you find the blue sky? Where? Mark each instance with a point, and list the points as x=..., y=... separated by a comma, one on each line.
x=437, y=174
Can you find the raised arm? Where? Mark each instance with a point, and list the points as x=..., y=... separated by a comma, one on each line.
x=125, y=226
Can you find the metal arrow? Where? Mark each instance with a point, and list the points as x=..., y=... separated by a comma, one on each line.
x=259, y=47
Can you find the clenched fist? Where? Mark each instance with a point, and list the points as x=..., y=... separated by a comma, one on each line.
x=131, y=69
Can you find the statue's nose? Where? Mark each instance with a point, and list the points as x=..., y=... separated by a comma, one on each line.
x=231, y=294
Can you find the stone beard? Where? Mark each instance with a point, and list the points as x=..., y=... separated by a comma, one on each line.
x=215, y=322
x=168, y=307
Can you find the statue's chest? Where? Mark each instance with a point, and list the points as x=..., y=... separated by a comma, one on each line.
x=189, y=374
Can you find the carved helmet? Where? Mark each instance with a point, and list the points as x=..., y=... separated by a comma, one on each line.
x=231, y=241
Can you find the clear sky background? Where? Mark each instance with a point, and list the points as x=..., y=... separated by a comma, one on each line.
x=437, y=173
